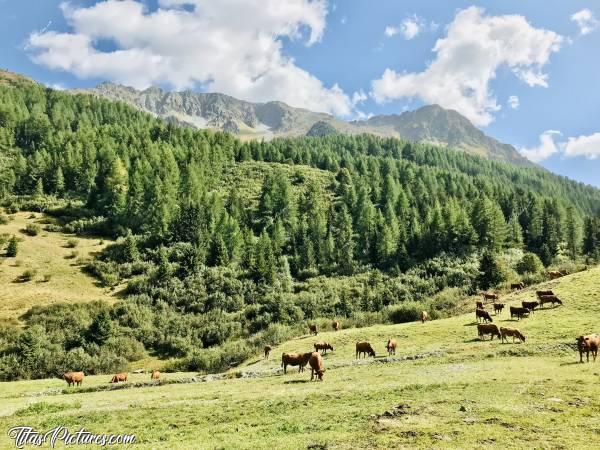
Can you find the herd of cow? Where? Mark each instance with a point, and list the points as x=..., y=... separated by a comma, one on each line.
x=520, y=312
x=314, y=358
x=585, y=344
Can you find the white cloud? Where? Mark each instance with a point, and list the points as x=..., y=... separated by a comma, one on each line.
x=391, y=31
x=546, y=148
x=230, y=46
x=588, y=146
x=466, y=62
x=411, y=27
x=585, y=20
x=513, y=102
x=359, y=97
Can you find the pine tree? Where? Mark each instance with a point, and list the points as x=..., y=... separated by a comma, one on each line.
x=130, y=250
x=344, y=241
x=100, y=329
x=572, y=232
x=491, y=273
x=515, y=232
x=13, y=247
x=39, y=188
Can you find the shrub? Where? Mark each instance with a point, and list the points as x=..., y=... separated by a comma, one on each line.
x=530, y=263
x=72, y=243
x=74, y=254
x=406, y=312
x=47, y=277
x=28, y=275
x=4, y=219
x=32, y=229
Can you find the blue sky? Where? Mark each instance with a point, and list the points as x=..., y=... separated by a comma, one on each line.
x=525, y=72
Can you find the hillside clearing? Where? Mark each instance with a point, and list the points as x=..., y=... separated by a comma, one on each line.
x=476, y=394
x=58, y=277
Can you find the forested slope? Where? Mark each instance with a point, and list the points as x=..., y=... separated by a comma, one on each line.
x=223, y=242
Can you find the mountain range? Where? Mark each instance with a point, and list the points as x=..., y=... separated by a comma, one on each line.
x=249, y=120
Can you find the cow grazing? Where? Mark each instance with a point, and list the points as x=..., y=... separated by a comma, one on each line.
x=364, y=347
x=155, y=375
x=74, y=378
x=120, y=377
x=587, y=344
x=549, y=299
x=498, y=307
x=518, y=312
x=530, y=305
x=336, y=326
x=487, y=328
x=505, y=332
x=391, y=347
x=540, y=293
x=483, y=315
x=479, y=305
x=517, y=286
x=324, y=346
x=295, y=359
x=424, y=316
x=554, y=274
x=313, y=329
x=268, y=349
x=316, y=366
x=490, y=296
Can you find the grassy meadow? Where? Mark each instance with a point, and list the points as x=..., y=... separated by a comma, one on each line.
x=53, y=259
x=446, y=389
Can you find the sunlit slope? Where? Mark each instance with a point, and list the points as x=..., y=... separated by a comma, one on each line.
x=467, y=394
x=58, y=277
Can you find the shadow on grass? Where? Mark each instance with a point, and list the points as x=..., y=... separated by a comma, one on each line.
x=571, y=363
x=296, y=381
x=470, y=324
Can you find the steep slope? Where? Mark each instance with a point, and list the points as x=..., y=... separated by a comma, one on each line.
x=267, y=120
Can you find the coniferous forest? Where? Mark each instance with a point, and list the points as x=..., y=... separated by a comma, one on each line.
x=223, y=246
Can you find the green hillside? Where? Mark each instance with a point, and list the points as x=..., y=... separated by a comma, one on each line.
x=55, y=260
x=447, y=389
x=219, y=246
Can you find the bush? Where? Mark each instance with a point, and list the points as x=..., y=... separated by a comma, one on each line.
x=28, y=275
x=406, y=312
x=72, y=255
x=4, y=219
x=32, y=229
x=72, y=243
x=530, y=263
x=47, y=277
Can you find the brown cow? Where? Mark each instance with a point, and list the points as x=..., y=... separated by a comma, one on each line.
x=517, y=286
x=120, y=377
x=391, y=347
x=498, y=307
x=424, y=316
x=489, y=328
x=519, y=312
x=554, y=274
x=549, y=299
x=540, y=293
x=268, y=349
x=155, y=375
x=336, y=326
x=482, y=314
x=479, y=305
x=504, y=332
x=74, y=378
x=364, y=347
x=313, y=329
x=316, y=366
x=323, y=346
x=588, y=344
x=490, y=296
x=295, y=359
x=530, y=305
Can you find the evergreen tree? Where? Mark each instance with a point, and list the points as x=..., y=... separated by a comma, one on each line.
x=491, y=273
x=100, y=330
x=13, y=247
x=572, y=232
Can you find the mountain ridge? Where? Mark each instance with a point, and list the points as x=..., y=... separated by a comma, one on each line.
x=249, y=120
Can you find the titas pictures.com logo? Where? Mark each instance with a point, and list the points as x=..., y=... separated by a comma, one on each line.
x=27, y=436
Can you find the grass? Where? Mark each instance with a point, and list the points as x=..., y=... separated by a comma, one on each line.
x=63, y=281
x=463, y=393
